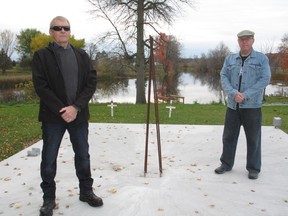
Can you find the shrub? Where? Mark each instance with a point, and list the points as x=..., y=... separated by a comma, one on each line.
x=28, y=89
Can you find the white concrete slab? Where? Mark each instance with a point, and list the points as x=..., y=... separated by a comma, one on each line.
x=187, y=187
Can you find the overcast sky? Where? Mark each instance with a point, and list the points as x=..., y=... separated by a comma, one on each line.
x=198, y=30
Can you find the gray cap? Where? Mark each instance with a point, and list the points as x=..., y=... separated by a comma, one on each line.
x=245, y=33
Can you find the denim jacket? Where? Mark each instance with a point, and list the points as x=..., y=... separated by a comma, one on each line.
x=255, y=77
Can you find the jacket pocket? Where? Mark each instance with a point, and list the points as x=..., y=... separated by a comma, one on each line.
x=252, y=75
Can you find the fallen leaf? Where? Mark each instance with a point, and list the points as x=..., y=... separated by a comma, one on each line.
x=117, y=168
x=113, y=190
x=17, y=206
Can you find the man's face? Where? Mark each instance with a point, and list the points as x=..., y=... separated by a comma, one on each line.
x=246, y=43
x=60, y=32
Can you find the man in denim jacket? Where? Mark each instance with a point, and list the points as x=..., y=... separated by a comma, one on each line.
x=244, y=77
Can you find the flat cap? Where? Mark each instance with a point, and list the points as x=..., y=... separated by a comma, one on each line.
x=245, y=33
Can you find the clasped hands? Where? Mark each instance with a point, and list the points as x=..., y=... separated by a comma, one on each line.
x=239, y=97
x=69, y=113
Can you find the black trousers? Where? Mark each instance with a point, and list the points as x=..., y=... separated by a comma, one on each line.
x=251, y=120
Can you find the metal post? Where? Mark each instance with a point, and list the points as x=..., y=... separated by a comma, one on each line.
x=152, y=77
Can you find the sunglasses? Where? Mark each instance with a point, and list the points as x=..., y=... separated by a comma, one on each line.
x=59, y=28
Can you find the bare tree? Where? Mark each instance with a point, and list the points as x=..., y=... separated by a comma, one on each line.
x=7, y=45
x=267, y=47
x=7, y=42
x=283, y=47
x=128, y=18
x=216, y=58
x=91, y=49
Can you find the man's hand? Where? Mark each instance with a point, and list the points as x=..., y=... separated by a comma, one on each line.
x=239, y=97
x=69, y=113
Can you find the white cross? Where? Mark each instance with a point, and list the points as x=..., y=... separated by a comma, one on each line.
x=170, y=108
x=112, y=105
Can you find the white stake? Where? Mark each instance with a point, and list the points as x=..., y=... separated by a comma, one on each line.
x=170, y=108
x=112, y=105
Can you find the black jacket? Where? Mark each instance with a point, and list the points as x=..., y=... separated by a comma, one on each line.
x=50, y=87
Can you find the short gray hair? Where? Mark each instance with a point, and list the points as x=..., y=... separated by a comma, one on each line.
x=58, y=18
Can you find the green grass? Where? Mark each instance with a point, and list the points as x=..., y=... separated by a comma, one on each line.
x=19, y=126
x=183, y=114
x=275, y=100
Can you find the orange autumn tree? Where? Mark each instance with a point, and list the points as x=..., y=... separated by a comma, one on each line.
x=162, y=56
x=283, y=61
x=161, y=47
x=283, y=53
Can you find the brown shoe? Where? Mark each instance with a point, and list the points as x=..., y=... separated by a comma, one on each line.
x=91, y=199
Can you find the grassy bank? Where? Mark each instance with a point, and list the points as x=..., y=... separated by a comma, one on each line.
x=19, y=127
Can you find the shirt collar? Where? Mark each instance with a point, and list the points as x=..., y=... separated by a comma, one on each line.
x=57, y=46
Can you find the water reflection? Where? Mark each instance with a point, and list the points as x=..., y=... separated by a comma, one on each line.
x=119, y=91
x=11, y=95
x=188, y=86
x=197, y=87
x=200, y=88
x=277, y=90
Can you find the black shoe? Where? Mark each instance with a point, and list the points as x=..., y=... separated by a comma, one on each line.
x=91, y=199
x=221, y=170
x=253, y=175
x=47, y=207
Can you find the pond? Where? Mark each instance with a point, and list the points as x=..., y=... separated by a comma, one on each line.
x=192, y=87
x=195, y=88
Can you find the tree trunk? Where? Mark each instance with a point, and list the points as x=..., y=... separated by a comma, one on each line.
x=140, y=58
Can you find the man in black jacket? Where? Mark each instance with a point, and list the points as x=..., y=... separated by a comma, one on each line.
x=65, y=81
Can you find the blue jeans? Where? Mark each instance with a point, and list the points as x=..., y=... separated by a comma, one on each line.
x=52, y=134
x=251, y=120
